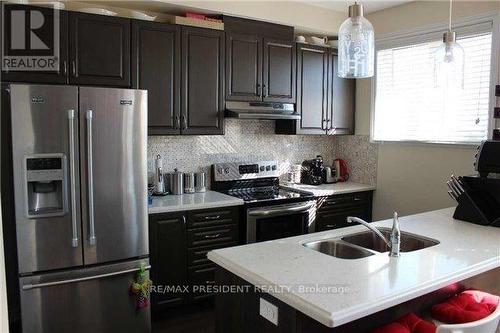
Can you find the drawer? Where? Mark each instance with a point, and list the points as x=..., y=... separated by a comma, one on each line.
x=208, y=218
x=198, y=256
x=213, y=235
x=344, y=201
x=337, y=219
x=201, y=279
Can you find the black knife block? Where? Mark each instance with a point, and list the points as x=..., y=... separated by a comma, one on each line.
x=480, y=203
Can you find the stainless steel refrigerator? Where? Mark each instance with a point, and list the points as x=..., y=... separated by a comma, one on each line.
x=80, y=193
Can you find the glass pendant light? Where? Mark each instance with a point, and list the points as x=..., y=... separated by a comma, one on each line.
x=449, y=60
x=356, y=45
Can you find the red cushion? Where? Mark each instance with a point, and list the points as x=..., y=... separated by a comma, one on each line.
x=463, y=308
x=407, y=324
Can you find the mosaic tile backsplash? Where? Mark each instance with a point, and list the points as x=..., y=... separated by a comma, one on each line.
x=361, y=156
x=245, y=140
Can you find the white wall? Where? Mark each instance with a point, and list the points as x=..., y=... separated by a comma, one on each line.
x=412, y=178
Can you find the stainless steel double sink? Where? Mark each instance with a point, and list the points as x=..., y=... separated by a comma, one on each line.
x=366, y=243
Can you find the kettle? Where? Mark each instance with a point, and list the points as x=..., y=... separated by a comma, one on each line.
x=341, y=170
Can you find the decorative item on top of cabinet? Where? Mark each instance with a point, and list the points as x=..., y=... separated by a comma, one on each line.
x=60, y=76
x=260, y=61
x=156, y=64
x=99, y=48
x=202, y=81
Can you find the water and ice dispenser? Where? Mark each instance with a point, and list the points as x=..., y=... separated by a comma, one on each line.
x=46, y=185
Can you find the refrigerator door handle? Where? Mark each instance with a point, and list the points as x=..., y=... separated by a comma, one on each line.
x=71, y=124
x=90, y=178
x=93, y=277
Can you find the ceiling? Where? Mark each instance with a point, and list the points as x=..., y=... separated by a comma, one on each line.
x=368, y=5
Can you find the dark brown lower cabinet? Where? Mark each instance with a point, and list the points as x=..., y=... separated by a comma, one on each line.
x=202, y=90
x=179, y=243
x=334, y=210
x=168, y=258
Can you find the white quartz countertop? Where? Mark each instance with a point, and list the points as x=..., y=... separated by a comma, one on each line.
x=330, y=189
x=204, y=200
x=360, y=287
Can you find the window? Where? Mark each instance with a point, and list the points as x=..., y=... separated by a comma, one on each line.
x=409, y=106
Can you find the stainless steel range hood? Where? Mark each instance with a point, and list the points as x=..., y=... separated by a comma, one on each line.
x=261, y=110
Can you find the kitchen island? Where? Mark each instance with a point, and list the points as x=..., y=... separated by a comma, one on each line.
x=302, y=290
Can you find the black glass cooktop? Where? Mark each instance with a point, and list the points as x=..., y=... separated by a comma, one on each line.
x=266, y=194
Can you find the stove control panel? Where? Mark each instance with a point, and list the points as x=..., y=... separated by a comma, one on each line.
x=245, y=170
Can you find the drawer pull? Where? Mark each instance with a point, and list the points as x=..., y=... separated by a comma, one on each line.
x=331, y=225
x=212, y=218
x=212, y=236
x=357, y=199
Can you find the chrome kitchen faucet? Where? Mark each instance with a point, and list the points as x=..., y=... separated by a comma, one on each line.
x=394, y=241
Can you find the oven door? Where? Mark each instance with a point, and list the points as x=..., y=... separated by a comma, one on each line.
x=280, y=221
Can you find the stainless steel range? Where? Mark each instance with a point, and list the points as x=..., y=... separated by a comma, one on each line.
x=271, y=212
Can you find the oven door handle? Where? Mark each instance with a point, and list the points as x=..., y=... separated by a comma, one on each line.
x=281, y=210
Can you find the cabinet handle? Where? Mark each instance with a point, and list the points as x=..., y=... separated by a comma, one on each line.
x=212, y=236
x=184, y=122
x=183, y=220
x=323, y=124
x=259, y=90
x=331, y=225
x=328, y=122
x=210, y=281
x=212, y=218
x=65, y=68
x=265, y=90
x=73, y=68
x=177, y=122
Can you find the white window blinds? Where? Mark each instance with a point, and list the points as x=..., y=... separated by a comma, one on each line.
x=409, y=106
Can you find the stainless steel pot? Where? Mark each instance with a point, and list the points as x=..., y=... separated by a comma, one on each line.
x=177, y=182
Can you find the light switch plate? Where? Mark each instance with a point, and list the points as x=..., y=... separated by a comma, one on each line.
x=269, y=311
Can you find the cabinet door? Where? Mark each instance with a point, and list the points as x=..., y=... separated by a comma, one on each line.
x=243, y=67
x=341, y=104
x=58, y=17
x=99, y=50
x=168, y=257
x=202, y=92
x=156, y=68
x=279, y=71
x=312, y=87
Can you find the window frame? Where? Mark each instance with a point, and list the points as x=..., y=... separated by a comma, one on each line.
x=428, y=33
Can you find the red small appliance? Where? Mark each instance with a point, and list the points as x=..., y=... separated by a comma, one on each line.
x=341, y=170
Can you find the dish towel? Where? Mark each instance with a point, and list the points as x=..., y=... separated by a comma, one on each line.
x=469, y=306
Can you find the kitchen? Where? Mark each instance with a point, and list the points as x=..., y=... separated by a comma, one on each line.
x=242, y=101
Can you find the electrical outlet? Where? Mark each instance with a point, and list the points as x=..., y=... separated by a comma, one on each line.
x=269, y=311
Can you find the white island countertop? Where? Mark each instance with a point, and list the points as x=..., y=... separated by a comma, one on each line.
x=330, y=189
x=204, y=200
x=373, y=283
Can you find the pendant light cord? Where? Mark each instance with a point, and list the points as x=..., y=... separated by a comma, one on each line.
x=449, y=18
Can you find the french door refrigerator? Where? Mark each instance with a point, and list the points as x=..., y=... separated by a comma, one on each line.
x=80, y=194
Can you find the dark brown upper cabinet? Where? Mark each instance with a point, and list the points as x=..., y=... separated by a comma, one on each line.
x=59, y=76
x=202, y=80
x=156, y=62
x=243, y=67
x=324, y=101
x=99, y=48
x=279, y=71
x=260, y=62
x=342, y=101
